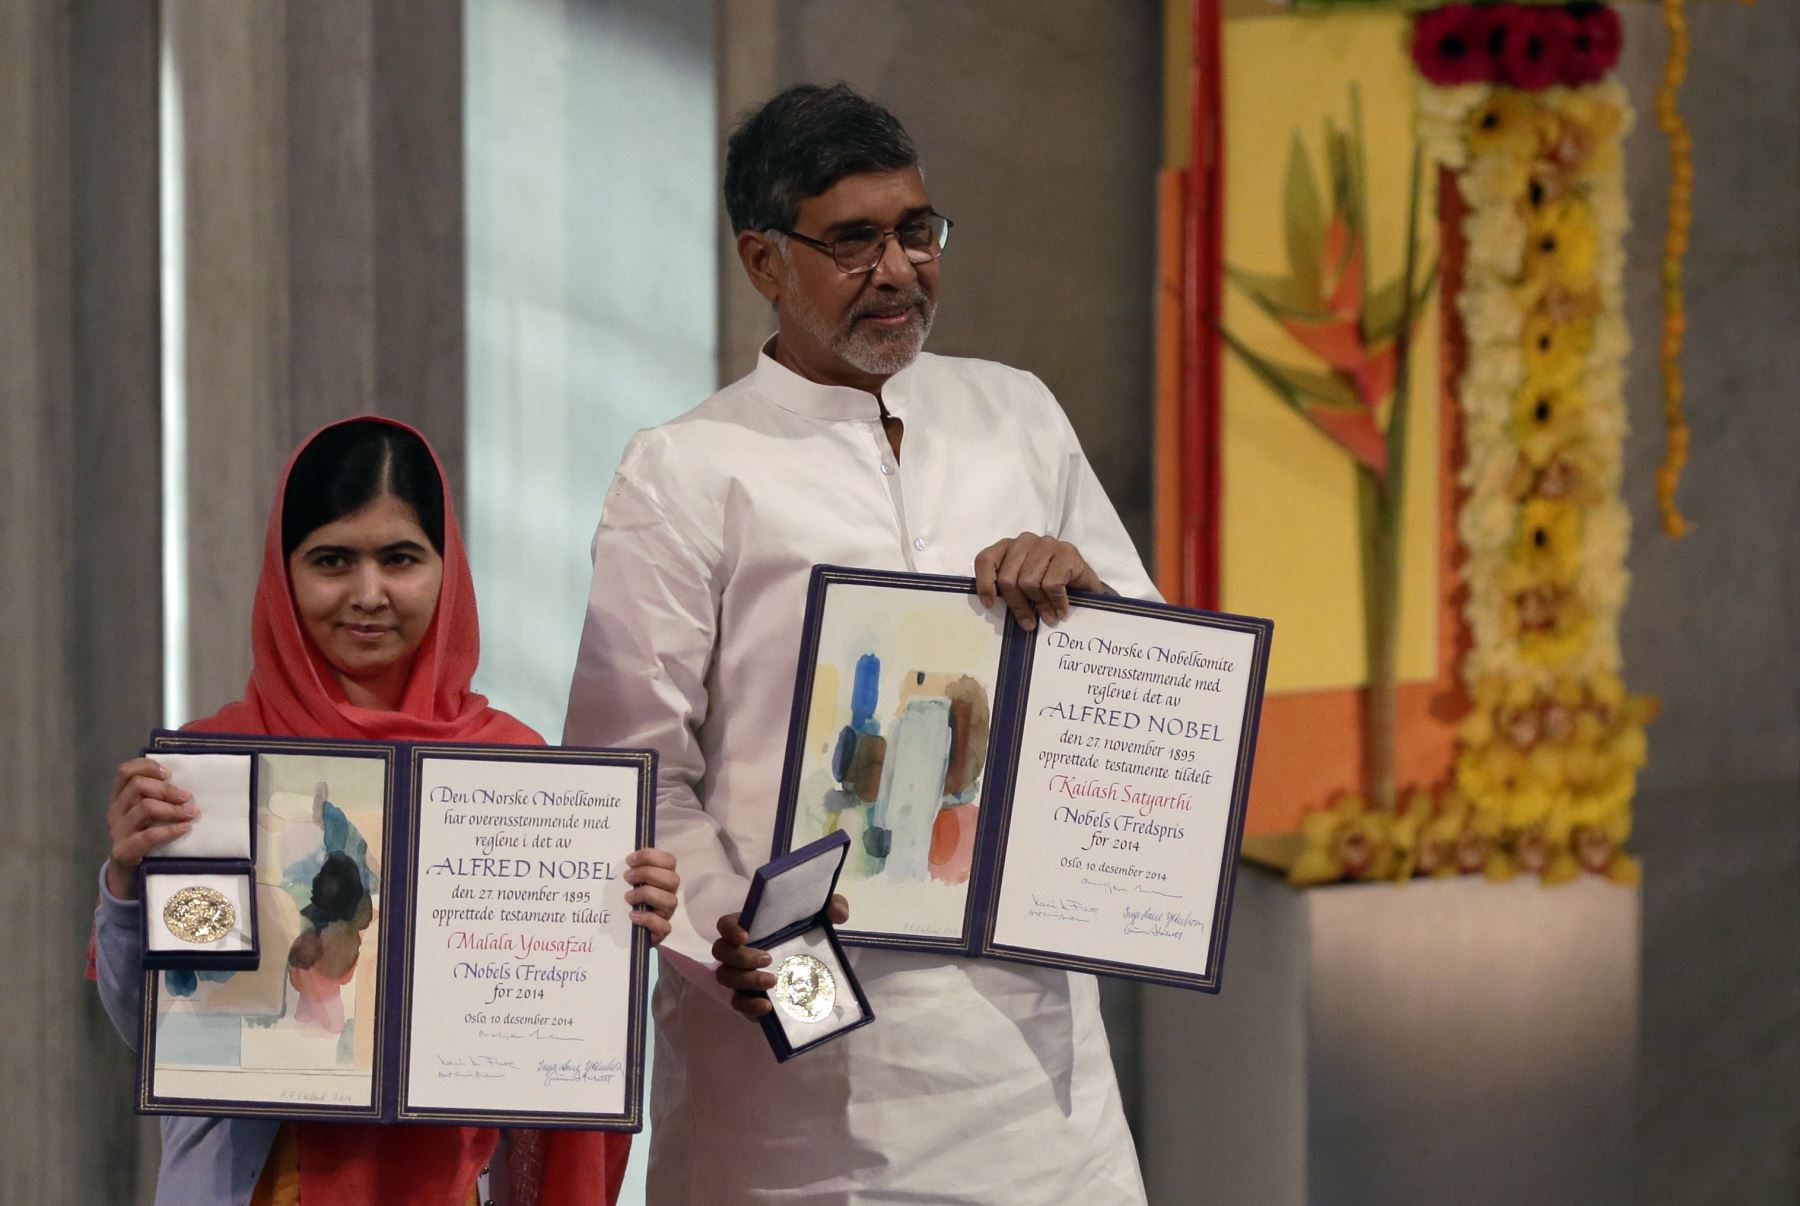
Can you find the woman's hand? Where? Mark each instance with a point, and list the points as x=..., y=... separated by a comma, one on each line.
x=147, y=811
x=651, y=872
x=741, y=965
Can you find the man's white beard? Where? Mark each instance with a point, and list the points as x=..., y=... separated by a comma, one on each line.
x=867, y=349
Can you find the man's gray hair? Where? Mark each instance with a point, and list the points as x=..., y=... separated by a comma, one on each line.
x=799, y=144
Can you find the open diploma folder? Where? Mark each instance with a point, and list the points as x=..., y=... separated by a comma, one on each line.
x=1072, y=796
x=443, y=938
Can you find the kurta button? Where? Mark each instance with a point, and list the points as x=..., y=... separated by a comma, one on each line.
x=919, y=543
x=887, y=469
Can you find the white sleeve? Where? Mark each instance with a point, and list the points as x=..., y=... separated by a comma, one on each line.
x=1088, y=520
x=640, y=682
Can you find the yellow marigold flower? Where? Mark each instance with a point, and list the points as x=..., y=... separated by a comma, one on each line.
x=1562, y=247
x=1569, y=691
x=1597, y=116
x=1582, y=767
x=1314, y=867
x=1363, y=846
x=1625, y=871
x=1606, y=690
x=1630, y=748
x=1564, y=868
x=1520, y=693
x=1545, y=421
x=1533, y=850
x=1529, y=806
x=1583, y=147
x=1563, y=640
x=1590, y=729
x=1506, y=123
x=1477, y=728
x=1491, y=773
x=1436, y=853
x=1554, y=352
x=1548, y=766
x=1548, y=540
x=1316, y=863
x=1495, y=180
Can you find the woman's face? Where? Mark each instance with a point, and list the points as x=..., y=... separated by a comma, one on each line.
x=365, y=589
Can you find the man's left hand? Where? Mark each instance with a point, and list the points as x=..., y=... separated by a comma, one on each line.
x=1034, y=575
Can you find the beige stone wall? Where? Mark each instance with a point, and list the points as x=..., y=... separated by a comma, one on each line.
x=80, y=604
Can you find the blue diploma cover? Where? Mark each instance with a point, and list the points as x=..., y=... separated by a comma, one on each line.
x=1072, y=796
x=437, y=933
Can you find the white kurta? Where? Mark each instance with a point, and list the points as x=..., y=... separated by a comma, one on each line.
x=980, y=1081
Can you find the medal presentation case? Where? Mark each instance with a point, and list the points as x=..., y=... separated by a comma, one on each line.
x=438, y=933
x=816, y=997
x=1071, y=796
x=198, y=894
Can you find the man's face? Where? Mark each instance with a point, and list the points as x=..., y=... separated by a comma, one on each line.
x=856, y=329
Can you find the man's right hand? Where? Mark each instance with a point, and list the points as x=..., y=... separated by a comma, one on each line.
x=741, y=965
x=147, y=811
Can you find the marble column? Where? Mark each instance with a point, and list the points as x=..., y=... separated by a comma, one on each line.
x=79, y=456
x=322, y=255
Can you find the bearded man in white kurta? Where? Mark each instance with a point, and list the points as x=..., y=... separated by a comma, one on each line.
x=980, y=1081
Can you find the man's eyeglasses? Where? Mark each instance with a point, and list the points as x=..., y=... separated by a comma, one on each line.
x=860, y=248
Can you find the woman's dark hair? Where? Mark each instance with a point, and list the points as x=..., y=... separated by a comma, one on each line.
x=799, y=144
x=348, y=466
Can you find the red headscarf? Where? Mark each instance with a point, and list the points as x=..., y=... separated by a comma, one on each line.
x=293, y=692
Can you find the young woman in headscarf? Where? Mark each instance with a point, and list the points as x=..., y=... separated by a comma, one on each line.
x=363, y=627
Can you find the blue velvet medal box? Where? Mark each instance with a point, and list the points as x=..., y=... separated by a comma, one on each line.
x=788, y=914
x=214, y=862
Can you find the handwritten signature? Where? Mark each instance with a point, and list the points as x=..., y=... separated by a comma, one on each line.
x=1164, y=895
x=596, y=1071
x=1162, y=923
x=474, y=1067
x=1065, y=904
x=537, y=1035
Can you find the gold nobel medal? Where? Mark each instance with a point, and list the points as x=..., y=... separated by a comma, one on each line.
x=804, y=988
x=196, y=914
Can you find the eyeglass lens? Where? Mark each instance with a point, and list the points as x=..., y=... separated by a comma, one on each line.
x=922, y=239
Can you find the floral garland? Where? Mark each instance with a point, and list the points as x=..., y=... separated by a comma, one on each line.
x=1675, y=245
x=1548, y=756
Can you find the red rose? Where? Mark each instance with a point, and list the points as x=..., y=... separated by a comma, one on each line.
x=1536, y=47
x=1455, y=45
x=1594, y=45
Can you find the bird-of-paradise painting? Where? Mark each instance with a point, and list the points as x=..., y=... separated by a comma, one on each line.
x=1351, y=382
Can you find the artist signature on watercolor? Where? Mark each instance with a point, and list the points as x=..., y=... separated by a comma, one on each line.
x=318, y=1096
x=580, y=1071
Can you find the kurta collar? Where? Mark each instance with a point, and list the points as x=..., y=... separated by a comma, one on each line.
x=790, y=391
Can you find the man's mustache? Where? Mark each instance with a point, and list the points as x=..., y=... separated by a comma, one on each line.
x=913, y=297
